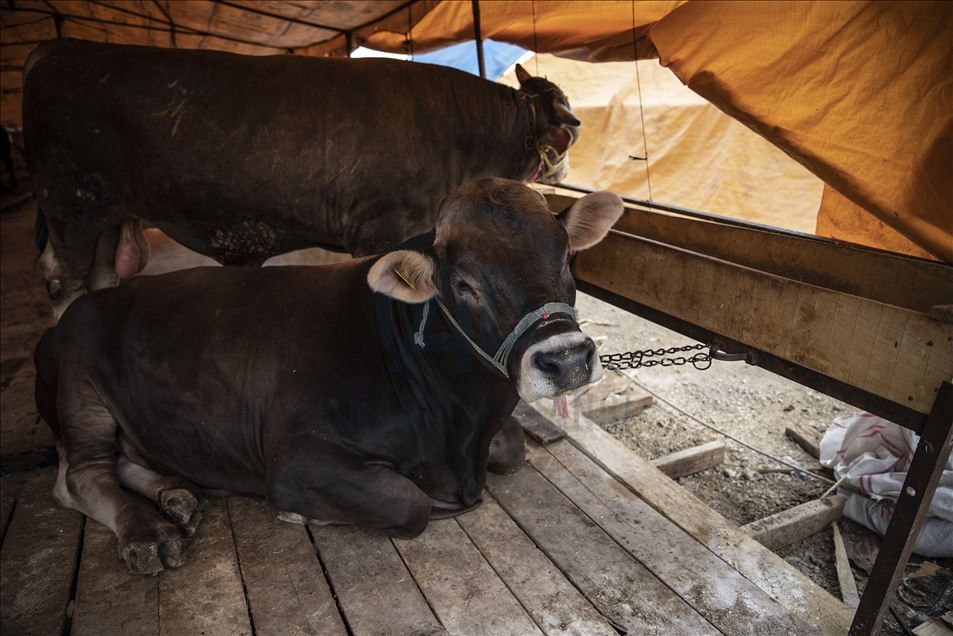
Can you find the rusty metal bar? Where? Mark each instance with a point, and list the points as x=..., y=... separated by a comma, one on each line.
x=478, y=36
x=909, y=514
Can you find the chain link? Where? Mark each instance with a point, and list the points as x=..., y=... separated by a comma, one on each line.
x=635, y=359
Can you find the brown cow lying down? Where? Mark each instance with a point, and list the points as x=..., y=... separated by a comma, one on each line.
x=364, y=392
x=242, y=158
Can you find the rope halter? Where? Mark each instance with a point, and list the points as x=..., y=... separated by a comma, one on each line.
x=500, y=359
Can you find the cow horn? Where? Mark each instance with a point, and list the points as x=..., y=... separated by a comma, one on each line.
x=565, y=116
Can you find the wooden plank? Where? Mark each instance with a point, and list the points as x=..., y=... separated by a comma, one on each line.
x=620, y=587
x=286, y=589
x=461, y=587
x=38, y=560
x=10, y=487
x=853, y=269
x=797, y=523
x=555, y=605
x=716, y=591
x=376, y=592
x=18, y=416
x=205, y=595
x=892, y=352
x=691, y=460
x=109, y=599
x=619, y=408
x=759, y=565
x=845, y=576
x=542, y=430
x=612, y=399
x=806, y=438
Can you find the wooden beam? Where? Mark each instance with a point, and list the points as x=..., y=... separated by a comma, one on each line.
x=797, y=523
x=539, y=428
x=732, y=603
x=889, y=278
x=691, y=460
x=771, y=573
x=891, y=352
x=612, y=399
x=616, y=408
x=806, y=438
x=845, y=576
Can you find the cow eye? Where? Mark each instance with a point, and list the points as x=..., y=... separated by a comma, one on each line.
x=462, y=287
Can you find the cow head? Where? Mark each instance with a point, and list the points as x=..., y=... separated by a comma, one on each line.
x=498, y=254
x=556, y=127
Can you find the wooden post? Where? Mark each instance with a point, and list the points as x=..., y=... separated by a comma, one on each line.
x=908, y=515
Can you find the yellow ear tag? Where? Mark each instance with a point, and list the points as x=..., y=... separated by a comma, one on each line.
x=404, y=278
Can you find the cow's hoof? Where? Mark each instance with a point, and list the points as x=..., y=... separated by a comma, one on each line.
x=182, y=507
x=142, y=557
x=172, y=552
x=151, y=557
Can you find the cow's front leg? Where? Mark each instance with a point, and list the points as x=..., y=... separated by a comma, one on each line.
x=347, y=491
x=178, y=498
x=507, y=452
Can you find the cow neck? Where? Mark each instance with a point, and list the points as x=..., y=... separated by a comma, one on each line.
x=456, y=403
x=527, y=111
x=446, y=360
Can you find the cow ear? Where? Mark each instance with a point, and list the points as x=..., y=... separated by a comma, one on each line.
x=521, y=74
x=589, y=219
x=403, y=275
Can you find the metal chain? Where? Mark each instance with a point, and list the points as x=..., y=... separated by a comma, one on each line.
x=635, y=359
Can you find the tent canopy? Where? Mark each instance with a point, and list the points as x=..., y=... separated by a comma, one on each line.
x=857, y=92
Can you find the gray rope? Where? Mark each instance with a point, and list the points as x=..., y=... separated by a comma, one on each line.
x=498, y=361
x=530, y=319
x=797, y=468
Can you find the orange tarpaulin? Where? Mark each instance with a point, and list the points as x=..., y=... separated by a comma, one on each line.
x=698, y=156
x=860, y=93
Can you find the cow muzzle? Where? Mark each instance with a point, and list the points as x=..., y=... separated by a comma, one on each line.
x=557, y=364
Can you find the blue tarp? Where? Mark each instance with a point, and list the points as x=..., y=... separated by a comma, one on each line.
x=498, y=56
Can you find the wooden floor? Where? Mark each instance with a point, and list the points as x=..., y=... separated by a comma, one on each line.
x=584, y=539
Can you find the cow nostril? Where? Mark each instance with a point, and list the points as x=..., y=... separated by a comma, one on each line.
x=590, y=349
x=547, y=363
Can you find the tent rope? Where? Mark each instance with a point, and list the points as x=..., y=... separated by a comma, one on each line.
x=638, y=83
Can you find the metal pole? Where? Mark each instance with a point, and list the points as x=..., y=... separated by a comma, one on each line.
x=908, y=515
x=478, y=36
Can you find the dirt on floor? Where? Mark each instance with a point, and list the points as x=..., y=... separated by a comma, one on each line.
x=752, y=405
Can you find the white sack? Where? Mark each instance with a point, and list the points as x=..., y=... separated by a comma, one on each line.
x=872, y=456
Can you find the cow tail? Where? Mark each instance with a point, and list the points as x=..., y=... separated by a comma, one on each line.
x=46, y=359
x=40, y=232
